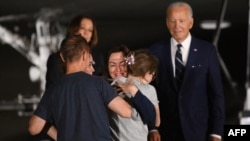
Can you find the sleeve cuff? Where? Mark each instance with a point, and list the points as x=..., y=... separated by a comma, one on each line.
x=216, y=136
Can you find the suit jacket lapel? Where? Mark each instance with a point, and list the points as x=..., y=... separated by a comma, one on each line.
x=170, y=64
x=192, y=57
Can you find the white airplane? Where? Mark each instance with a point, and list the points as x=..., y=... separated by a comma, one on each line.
x=36, y=50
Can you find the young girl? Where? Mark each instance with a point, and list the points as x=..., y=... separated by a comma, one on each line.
x=142, y=68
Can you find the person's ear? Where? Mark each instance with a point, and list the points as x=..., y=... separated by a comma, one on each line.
x=85, y=55
x=191, y=23
x=61, y=56
x=166, y=21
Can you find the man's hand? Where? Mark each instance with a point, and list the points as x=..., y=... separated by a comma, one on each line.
x=214, y=139
x=154, y=136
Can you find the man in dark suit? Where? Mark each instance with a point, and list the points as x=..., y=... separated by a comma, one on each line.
x=191, y=97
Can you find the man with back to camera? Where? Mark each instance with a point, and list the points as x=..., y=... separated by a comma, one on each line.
x=77, y=103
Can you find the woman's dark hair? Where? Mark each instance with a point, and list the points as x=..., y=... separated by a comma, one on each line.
x=75, y=24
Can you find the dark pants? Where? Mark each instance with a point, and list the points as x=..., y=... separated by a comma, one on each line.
x=173, y=134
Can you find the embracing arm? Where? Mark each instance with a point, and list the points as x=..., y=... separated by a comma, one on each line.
x=154, y=134
x=52, y=132
x=36, y=125
x=146, y=109
x=142, y=104
x=120, y=107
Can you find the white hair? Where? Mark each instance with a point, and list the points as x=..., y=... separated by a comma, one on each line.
x=181, y=4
